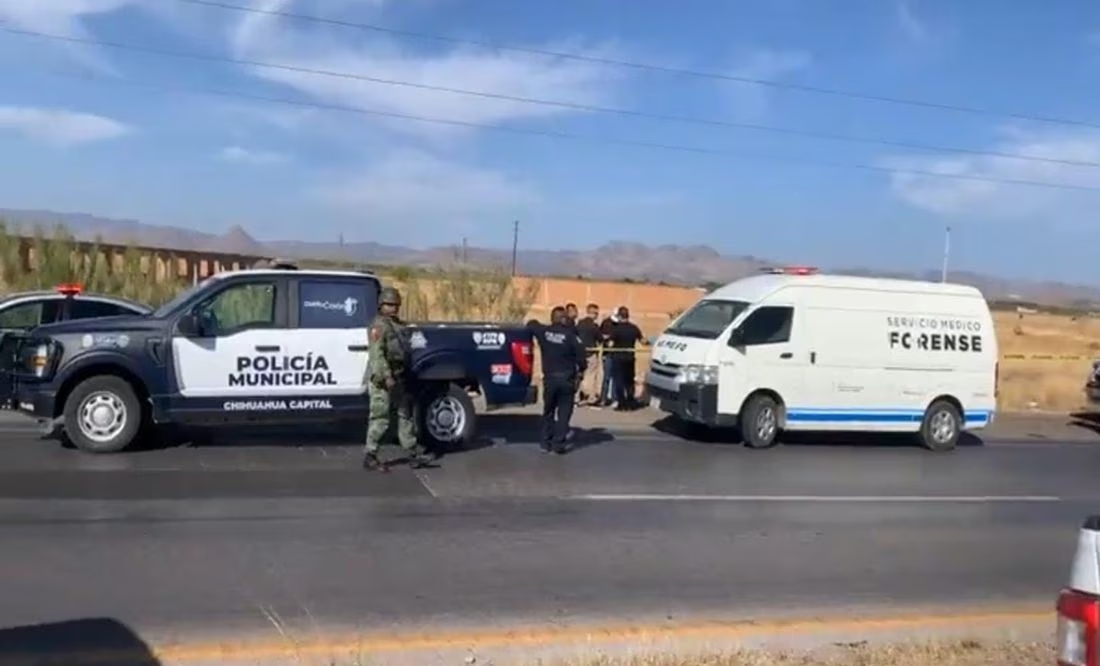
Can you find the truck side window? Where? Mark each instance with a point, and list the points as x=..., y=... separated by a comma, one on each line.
x=336, y=304
x=24, y=315
x=241, y=306
x=83, y=309
x=768, y=325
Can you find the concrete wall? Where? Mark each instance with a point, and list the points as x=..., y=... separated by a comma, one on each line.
x=159, y=263
x=651, y=305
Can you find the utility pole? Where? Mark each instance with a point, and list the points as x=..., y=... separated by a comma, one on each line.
x=946, y=253
x=464, y=248
x=515, y=245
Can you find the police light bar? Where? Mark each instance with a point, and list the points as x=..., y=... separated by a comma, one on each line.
x=69, y=289
x=791, y=270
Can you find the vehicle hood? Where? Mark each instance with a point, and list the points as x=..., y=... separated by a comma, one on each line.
x=117, y=324
x=680, y=350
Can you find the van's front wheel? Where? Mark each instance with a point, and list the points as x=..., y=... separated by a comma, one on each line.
x=760, y=422
x=942, y=427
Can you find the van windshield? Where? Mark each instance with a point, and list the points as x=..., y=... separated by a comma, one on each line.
x=707, y=319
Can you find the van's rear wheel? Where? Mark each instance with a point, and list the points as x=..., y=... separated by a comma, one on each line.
x=942, y=426
x=102, y=415
x=760, y=422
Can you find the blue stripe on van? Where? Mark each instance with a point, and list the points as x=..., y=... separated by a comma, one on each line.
x=872, y=416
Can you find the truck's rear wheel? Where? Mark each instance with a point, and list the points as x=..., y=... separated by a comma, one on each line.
x=102, y=415
x=448, y=418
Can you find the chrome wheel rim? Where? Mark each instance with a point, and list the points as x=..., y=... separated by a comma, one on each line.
x=446, y=419
x=766, y=424
x=943, y=427
x=102, y=416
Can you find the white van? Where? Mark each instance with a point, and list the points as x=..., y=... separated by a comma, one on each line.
x=795, y=350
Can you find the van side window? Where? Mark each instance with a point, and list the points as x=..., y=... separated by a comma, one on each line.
x=768, y=325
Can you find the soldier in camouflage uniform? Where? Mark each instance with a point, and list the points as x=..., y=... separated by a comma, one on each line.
x=388, y=389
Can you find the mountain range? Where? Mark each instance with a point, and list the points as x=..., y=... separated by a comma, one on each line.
x=694, y=265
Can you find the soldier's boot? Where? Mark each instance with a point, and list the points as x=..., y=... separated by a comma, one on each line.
x=421, y=458
x=373, y=463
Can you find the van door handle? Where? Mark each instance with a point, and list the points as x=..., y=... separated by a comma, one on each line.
x=786, y=355
x=358, y=348
x=267, y=348
x=813, y=357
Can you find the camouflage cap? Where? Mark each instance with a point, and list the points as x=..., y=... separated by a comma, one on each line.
x=389, y=296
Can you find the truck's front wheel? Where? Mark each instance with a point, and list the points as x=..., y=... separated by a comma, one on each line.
x=448, y=418
x=102, y=415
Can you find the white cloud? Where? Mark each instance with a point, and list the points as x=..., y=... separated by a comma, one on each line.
x=58, y=126
x=750, y=100
x=411, y=187
x=267, y=39
x=63, y=17
x=990, y=200
x=240, y=155
x=913, y=27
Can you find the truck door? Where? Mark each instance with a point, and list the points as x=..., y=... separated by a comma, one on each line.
x=240, y=348
x=329, y=318
x=762, y=353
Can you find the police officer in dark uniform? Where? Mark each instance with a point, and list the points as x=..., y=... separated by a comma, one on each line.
x=563, y=365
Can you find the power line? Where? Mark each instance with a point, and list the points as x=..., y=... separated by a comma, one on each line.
x=191, y=55
x=817, y=90
x=698, y=150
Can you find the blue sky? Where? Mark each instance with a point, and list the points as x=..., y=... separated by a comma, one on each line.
x=281, y=171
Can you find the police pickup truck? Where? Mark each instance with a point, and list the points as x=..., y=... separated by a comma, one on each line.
x=277, y=345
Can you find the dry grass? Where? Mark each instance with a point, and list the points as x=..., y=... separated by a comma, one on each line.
x=958, y=653
x=1053, y=383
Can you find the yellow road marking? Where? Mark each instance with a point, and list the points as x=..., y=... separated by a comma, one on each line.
x=338, y=646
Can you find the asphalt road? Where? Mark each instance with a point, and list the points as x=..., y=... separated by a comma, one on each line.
x=224, y=537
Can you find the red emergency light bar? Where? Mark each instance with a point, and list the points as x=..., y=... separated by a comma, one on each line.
x=791, y=270
x=69, y=289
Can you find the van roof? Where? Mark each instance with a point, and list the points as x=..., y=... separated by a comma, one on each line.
x=756, y=287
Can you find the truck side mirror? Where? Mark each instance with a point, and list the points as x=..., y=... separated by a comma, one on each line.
x=737, y=338
x=189, y=325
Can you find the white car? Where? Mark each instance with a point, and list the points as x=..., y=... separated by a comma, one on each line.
x=1078, y=633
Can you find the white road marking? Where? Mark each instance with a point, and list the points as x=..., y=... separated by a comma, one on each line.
x=422, y=477
x=988, y=499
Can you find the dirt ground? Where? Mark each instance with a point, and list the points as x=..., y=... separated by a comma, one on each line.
x=960, y=653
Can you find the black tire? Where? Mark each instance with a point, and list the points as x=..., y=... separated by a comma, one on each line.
x=755, y=433
x=110, y=389
x=941, y=428
x=435, y=431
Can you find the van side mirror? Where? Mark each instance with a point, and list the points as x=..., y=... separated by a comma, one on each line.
x=189, y=325
x=737, y=338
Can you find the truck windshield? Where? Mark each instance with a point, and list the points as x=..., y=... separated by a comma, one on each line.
x=707, y=319
x=180, y=298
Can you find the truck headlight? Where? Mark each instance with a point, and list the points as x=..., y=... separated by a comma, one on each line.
x=39, y=359
x=699, y=374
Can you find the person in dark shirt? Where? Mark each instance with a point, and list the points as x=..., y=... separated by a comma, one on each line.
x=607, y=386
x=571, y=313
x=563, y=366
x=625, y=336
x=588, y=330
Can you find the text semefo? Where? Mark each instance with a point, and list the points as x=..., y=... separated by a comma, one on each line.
x=307, y=370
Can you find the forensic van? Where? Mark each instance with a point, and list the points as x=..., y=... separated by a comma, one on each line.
x=258, y=345
x=795, y=350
